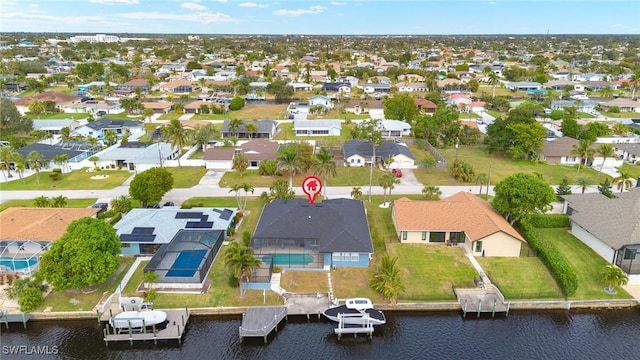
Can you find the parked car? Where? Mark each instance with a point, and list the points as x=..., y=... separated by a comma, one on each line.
x=102, y=206
x=168, y=203
x=397, y=172
x=101, y=113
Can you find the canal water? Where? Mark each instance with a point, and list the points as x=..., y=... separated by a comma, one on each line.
x=407, y=335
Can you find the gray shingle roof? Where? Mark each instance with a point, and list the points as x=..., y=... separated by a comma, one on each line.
x=48, y=151
x=616, y=222
x=106, y=123
x=264, y=126
x=385, y=150
x=340, y=225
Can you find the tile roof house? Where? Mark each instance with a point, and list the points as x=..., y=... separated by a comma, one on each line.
x=26, y=232
x=425, y=106
x=611, y=227
x=332, y=233
x=461, y=218
x=133, y=84
x=62, y=100
x=256, y=151
x=625, y=105
x=559, y=150
x=359, y=153
x=177, y=87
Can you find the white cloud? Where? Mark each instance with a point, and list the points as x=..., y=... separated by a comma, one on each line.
x=220, y=1
x=193, y=6
x=317, y=9
x=115, y=2
x=250, y=4
x=204, y=18
x=335, y=3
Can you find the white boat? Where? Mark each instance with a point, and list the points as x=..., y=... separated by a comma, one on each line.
x=356, y=311
x=139, y=319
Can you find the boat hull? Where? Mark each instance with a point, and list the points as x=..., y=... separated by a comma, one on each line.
x=375, y=317
x=139, y=319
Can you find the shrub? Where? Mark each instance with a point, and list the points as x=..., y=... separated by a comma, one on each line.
x=268, y=168
x=114, y=220
x=550, y=221
x=150, y=295
x=237, y=103
x=277, y=269
x=558, y=266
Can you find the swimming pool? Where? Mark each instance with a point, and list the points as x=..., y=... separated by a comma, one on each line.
x=288, y=259
x=17, y=264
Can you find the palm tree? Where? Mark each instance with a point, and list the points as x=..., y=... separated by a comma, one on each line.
x=431, y=192
x=613, y=276
x=62, y=160
x=325, y=167
x=92, y=141
x=65, y=134
x=634, y=81
x=239, y=259
x=94, y=159
x=234, y=125
x=584, y=183
x=177, y=135
x=493, y=80
x=36, y=161
x=387, y=181
x=386, y=279
x=252, y=129
x=147, y=114
x=247, y=188
x=606, y=151
x=235, y=188
x=36, y=107
x=110, y=137
x=482, y=179
x=289, y=162
x=7, y=155
x=59, y=201
x=619, y=128
x=356, y=192
x=20, y=167
x=606, y=92
x=584, y=150
x=240, y=163
x=623, y=180
x=42, y=201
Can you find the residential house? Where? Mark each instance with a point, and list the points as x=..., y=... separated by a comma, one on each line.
x=425, y=106
x=339, y=87
x=255, y=151
x=99, y=127
x=462, y=218
x=158, y=107
x=137, y=156
x=62, y=100
x=297, y=86
x=628, y=152
x=27, y=232
x=461, y=101
x=611, y=227
x=558, y=151
x=53, y=126
x=412, y=87
x=320, y=100
x=266, y=129
x=330, y=234
x=371, y=88
x=360, y=153
x=317, y=127
x=625, y=105
x=363, y=106
x=49, y=152
x=177, y=87
x=523, y=85
x=130, y=86
x=394, y=128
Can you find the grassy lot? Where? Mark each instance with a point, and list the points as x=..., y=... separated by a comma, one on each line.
x=57, y=115
x=634, y=170
x=622, y=115
x=354, y=282
x=584, y=115
x=249, y=112
x=347, y=176
x=186, y=176
x=430, y=272
x=286, y=133
x=61, y=300
x=501, y=167
x=136, y=279
x=530, y=281
x=304, y=281
x=78, y=179
x=500, y=91
x=585, y=262
x=71, y=203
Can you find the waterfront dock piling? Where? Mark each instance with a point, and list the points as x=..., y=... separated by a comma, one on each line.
x=261, y=321
x=487, y=299
x=7, y=318
x=344, y=328
x=177, y=321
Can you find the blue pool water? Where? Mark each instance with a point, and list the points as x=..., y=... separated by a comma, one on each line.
x=288, y=259
x=18, y=264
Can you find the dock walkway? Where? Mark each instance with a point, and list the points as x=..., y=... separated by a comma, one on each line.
x=486, y=299
x=261, y=321
x=177, y=323
x=6, y=318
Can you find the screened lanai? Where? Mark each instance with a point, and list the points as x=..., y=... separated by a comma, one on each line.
x=21, y=256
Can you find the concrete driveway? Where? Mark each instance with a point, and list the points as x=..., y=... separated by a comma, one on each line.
x=409, y=178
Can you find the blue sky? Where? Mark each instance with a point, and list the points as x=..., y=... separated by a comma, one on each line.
x=322, y=17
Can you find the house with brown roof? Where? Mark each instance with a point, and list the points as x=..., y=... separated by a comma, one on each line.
x=558, y=151
x=177, y=87
x=133, y=84
x=158, y=107
x=25, y=232
x=611, y=227
x=425, y=106
x=256, y=151
x=459, y=219
x=625, y=105
x=62, y=100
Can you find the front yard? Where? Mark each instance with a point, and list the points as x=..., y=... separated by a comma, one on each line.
x=78, y=179
x=347, y=176
x=186, y=176
x=71, y=203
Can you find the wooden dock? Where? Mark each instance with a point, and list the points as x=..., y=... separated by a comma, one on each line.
x=486, y=299
x=178, y=320
x=7, y=318
x=261, y=321
x=355, y=329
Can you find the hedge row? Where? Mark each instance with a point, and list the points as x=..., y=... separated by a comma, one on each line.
x=548, y=221
x=114, y=220
x=558, y=266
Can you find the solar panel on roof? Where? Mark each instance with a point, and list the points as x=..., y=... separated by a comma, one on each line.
x=143, y=230
x=226, y=214
x=188, y=215
x=137, y=237
x=199, y=225
x=216, y=210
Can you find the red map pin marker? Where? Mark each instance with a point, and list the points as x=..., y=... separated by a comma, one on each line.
x=312, y=187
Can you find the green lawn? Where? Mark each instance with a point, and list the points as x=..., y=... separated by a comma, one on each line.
x=585, y=262
x=634, y=170
x=584, y=115
x=430, y=272
x=87, y=298
x=78, y=179
x=136, y=279
x=186, y=176
x=531, y=280
x=347, y=176
x=71, y=203
x=501, y=167
x=623, y=115
x=286, y=133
